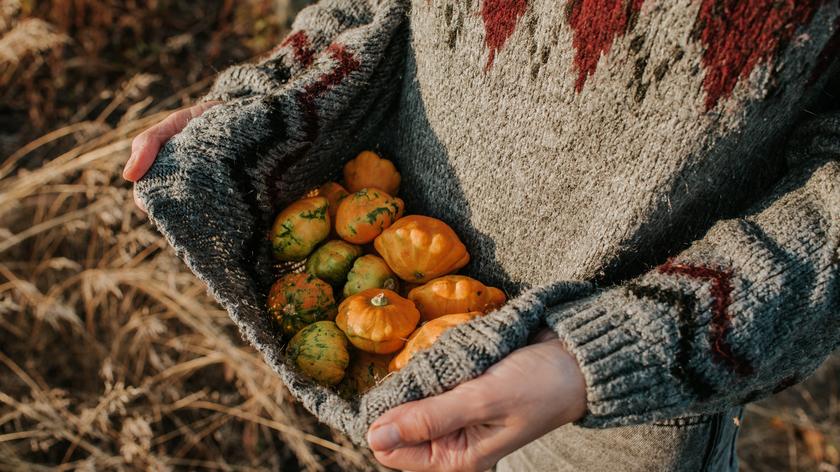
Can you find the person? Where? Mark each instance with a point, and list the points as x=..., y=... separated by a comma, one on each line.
x=666, y=151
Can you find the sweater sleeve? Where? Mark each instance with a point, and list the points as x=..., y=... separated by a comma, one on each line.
x=751, y=308
x=314, y=33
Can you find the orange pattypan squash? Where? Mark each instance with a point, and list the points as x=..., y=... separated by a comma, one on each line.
x=299, y=228
x=297, y=300
x=420, y=248
x=320, y=351
x=370, y=170
x=426, y=335
x=334, y=193
x=455, y=294
x=363, y=215
x=377, y=320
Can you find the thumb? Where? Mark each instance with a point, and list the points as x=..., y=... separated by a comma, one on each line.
x=424, y=420
x=145, y=146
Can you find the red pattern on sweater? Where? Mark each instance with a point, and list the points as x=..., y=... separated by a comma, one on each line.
x=500, y=18
x=299, y=42
x=596, y=24
x=346, y=64
x=738, y=34
x=721, y=323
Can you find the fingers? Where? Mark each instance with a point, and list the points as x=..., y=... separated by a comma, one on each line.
x=146, y=145
x=532, y=391
x=421, y=456
x=474, y=448
x=423, y=420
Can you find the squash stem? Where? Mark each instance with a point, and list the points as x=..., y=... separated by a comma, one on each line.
x=379, y=299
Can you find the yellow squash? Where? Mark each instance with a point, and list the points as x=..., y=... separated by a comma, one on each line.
x=370, y=170
x=419, y=248
x=426, y=335
x=455, y=294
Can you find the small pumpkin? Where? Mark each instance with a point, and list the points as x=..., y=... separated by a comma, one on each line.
x=426, y=335
x=334, y=193
x=420, y=248
x=363, y=215
x=370, y=271
x=366, y=370
x=455, y=294
x=320, y=352
x=370, y=170
x=332, y=261
x=299, y=228
x=377, y=320
x=296, y=300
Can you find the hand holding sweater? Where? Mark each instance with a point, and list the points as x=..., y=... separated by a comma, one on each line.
x=145, y=146
x=532, y=391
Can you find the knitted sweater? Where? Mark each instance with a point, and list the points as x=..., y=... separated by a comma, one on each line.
x=625, y=169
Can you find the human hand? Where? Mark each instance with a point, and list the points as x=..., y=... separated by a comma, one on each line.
x=534, y=390
x=146, y=145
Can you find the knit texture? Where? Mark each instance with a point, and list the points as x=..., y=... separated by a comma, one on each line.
x=568, y=144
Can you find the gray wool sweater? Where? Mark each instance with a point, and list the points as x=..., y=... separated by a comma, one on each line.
x=643, y=177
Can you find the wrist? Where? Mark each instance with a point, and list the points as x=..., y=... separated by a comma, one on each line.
x=570, y=382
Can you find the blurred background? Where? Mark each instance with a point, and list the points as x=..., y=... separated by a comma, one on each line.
x=112, y=355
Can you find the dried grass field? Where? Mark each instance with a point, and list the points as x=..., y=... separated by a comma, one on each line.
x=112, y=355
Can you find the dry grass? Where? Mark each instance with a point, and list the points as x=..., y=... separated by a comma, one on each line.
x=112, y=355
x=798, y=429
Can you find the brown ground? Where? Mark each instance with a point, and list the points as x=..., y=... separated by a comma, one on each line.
x=112, y=356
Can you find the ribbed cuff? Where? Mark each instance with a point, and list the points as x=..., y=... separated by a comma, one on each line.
x=625, y=348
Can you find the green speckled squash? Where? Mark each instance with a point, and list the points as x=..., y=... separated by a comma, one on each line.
x=332, y=261
x=320, y=352
x=363, y=215
x=297, y=300
x=299, y=228
x=369, y=271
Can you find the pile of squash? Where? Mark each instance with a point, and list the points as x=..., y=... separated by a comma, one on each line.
x=377, y=286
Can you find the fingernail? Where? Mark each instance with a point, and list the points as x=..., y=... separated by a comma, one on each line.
x=128, y=165
x=384, y=438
